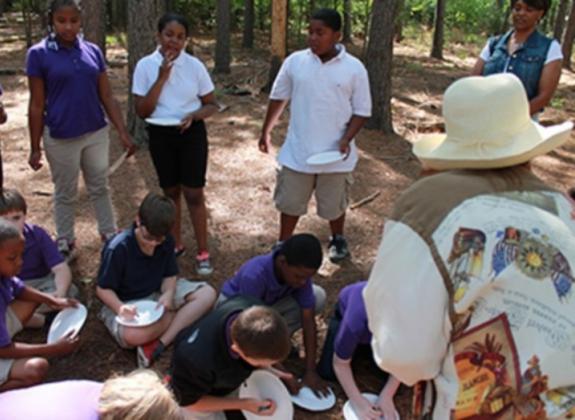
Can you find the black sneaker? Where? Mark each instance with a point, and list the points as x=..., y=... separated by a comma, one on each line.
x=337, y=248
x=67, y=249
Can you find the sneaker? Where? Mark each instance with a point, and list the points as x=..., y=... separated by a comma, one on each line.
x=67, y=249
x=149, y=353
x=203, y=265
x=337, y=248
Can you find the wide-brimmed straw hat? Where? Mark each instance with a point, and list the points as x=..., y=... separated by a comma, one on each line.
x=487, y=126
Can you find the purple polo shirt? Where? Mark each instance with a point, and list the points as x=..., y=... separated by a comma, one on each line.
x=10, y=288
x=353, y=328
x=40, y=253
x=257, y=278
x=68, y=400
x=70, y=76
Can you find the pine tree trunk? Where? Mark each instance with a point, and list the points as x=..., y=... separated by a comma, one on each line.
x=279, y=38
x=379, y=63
x=559, y=26
x=223, y=55
x=142, y=19
x=248, y=39
x=568, y=38
x=437, y=48
x=347, y=21
x=94, y=22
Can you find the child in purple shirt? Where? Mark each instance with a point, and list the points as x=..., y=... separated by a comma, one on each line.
x=282, y=279
x=22, y=365
x=348, y=332
x=44, y=267
x=69, y=92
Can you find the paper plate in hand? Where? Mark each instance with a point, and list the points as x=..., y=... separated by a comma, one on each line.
x=349, y=412
x=164, y=121
x=263, y=385
x=67, y=320
x=308, y=400
x=325, y=157
x=114, y=167
x=148, y=312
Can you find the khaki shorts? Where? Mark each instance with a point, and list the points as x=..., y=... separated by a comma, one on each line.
x=14, y=326
x=47, y=284
x=293, y=191
x=108, y=316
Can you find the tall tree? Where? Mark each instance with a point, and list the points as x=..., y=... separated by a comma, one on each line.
x=279, y=39
x=347, y=21
x=142, y=17
x=568, y=38
x=94, y=22
x=249, y=17
x=379, y=63
x=438, y=30
x=223, y=54
x=559, y=26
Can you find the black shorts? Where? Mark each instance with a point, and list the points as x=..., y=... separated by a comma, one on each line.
x=180, y=158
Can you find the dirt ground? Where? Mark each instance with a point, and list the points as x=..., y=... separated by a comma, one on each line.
x=242, y=219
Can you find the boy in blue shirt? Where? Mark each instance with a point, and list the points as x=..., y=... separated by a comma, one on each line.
x=140, y=264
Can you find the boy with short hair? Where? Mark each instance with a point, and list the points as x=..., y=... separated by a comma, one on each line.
x=330, y=101
x=282, y=279
x=23, y=365
x=44, y=268
x=213, y=357
x=140, y=264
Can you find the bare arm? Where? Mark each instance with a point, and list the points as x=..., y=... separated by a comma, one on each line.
x=109, y=298
x=23, y=350
x=210, y=403
x=36, y=120
x=209, y=107
x=3, y=116
x=547, y=86
x=477, y=69
x=114, y=112
x=168, y=292
x=353, y=127
x=310, y=377
x=62, y=278
x=275, y=108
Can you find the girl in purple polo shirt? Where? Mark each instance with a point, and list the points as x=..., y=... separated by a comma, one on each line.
x=69, y=92
x=170, y=84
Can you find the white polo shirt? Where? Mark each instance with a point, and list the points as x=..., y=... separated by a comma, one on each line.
x=188, y=81
x=324, y=97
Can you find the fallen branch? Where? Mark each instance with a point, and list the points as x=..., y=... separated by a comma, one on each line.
x=365, y=200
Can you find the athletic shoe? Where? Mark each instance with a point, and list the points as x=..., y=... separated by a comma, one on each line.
x=337, y=248
x=203, y=265
x=149, y=353
x=67, y=249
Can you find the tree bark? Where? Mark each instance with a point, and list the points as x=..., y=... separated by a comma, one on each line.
x=142, y=17
x=568, y=38
x=279, y=38
x=379, y=63
x=94, y=22
x=223, y=55
x=347, y=21
x=437, y=47
x=248, y=39
x=560, y=19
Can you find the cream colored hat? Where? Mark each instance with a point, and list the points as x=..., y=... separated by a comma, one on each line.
x=488, y=126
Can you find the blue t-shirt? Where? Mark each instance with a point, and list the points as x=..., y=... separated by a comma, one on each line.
x=353, y=328
x=10, y=288
x=257, y=278
x=132, y=274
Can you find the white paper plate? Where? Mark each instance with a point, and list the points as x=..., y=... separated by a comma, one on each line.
x=307, y=399
x=325, y=157
x=67, y=320
x=264, y=385
x=148, y=313
x=167, y=122
x=349, y=413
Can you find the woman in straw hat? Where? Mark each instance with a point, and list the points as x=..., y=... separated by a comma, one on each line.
x=525, y=52
x=476, y=306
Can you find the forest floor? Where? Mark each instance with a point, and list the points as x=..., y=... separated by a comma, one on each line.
x=242, y=219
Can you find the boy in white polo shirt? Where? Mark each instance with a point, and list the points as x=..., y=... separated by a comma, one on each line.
x=330, y=101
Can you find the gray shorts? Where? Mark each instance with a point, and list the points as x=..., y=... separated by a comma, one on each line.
x=108, y=316
x=46, y=284
x=14, y=326
x=293, y=191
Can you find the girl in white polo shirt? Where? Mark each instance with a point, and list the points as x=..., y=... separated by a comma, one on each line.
x=173, y=90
